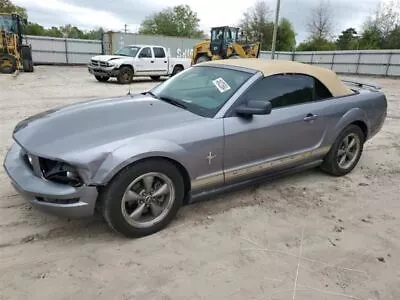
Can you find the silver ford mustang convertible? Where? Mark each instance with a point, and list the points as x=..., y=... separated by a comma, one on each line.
x=214, y=126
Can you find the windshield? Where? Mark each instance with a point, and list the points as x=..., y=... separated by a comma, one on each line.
x=128, y=51
x=202, y=90
x=8, y=24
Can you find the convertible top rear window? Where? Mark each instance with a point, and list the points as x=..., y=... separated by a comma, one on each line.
x=203, y=90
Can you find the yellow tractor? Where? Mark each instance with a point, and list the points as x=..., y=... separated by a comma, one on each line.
x=14, y=54
x=225, y=43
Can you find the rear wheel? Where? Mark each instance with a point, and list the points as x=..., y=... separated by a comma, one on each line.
x=345, y=152
x=8, y=64
x=143, y=198
x=177, y=69
x=102, y=78
x=125, y=75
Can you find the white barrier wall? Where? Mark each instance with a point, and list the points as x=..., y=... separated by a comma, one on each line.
x=48, y=50
x=365, y=62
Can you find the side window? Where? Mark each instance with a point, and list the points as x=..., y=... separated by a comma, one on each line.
x=159, y=52
x=283, y=90
x=146, y=53
x=321, y=92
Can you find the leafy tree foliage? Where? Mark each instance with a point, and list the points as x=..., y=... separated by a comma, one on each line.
x=173, y=21
x=6, y=6
x=257, y=25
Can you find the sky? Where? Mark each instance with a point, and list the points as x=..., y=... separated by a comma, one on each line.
x=113, y=14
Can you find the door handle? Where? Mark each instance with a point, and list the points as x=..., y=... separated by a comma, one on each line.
x=165, y=61
x=152, y=61
x=310, y=117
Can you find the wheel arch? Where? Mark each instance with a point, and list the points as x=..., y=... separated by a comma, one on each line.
x=127, y=65
x=181, y=168
x=354, y=116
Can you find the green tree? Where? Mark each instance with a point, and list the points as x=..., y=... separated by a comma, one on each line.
x=72, y=32
x=256, y=24
x=317, y=44
x=34, y=29
x=53, y=32
x=6, y=6
x=286, y=37
x=348, y=40
x=173, y=21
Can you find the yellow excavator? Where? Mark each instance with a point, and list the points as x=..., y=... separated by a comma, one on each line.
x=225, y=43
x=14, y=54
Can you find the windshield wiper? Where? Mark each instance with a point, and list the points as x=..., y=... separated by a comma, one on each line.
x=173, y=101
x=169, y=100
x=151, y=94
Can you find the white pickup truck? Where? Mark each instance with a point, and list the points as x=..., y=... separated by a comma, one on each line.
x=136, y=60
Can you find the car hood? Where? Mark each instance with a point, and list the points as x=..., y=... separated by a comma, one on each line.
x=97, y=123
x=108, y=57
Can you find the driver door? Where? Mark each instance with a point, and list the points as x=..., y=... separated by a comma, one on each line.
x=283, y=138
x=145, y=62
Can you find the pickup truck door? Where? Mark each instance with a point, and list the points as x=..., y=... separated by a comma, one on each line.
x=290, y=135
x=160, y=61
x=144, y=65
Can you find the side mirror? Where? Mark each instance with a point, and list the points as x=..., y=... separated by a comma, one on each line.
x=254, y=107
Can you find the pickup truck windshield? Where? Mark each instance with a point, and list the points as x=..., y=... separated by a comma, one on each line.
x=202, y=90
x=128, y=51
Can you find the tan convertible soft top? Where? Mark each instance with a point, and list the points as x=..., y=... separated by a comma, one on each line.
x=274, y=67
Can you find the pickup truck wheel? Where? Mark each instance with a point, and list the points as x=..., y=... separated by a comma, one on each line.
x=345, y=152
x=102, y=78
x=143, y=198
x=177, y=69
x=125, y=75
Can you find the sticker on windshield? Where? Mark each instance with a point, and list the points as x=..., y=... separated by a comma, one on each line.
x=221, y=85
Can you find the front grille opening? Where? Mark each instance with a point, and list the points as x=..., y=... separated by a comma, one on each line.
x=58, y=201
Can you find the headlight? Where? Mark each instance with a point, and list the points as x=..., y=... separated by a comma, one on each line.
x=60, y=172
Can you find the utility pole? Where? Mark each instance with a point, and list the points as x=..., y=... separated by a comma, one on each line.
x=278, y=6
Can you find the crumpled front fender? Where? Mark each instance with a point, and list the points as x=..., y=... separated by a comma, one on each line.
x=134, y=151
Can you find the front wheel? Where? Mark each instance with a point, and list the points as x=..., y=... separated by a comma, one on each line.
x=143, y=198
x=125, y=75
x=345, y=153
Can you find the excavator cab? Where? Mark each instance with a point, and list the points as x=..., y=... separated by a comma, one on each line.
x=225, y=43
x=14, y=54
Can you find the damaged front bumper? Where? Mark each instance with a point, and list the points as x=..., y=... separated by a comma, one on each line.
x=103, y=71
x=51, y=197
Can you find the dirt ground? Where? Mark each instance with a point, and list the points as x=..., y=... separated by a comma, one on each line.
x=307, y=236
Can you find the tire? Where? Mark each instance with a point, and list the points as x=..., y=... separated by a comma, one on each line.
x=8, y=64
x=177, y=69
x=28, y=65
x=125, y=75
x=332, y=162
x=202, y=58
x=155, y=78
x=116, y=211
x=102, y=78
